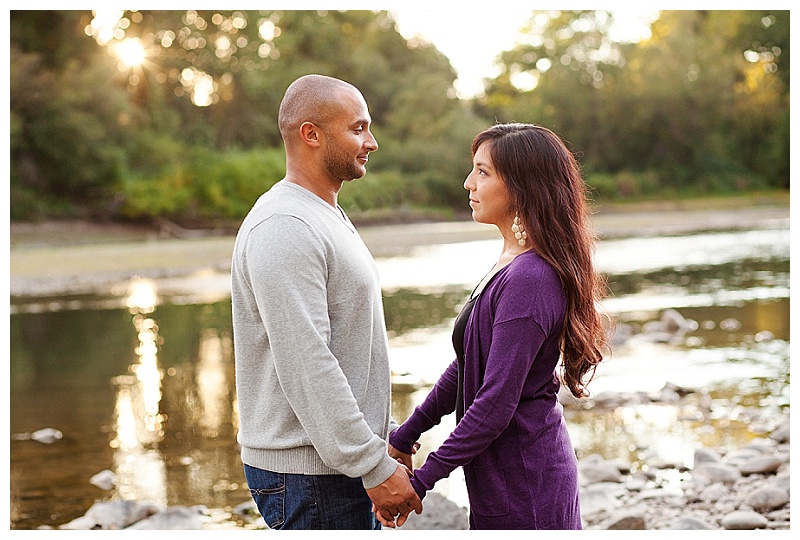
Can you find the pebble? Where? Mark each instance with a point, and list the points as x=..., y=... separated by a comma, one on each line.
x=744, y=520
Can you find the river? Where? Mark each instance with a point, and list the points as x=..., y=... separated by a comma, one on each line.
x=140, y=381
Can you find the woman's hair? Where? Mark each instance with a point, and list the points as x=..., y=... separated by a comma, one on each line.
x=548, y=194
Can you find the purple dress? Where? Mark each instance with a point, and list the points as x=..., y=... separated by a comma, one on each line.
x=519, y=464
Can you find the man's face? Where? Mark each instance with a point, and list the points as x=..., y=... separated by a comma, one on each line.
x=348, y=140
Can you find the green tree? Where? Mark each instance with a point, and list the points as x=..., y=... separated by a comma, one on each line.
x=699, y=106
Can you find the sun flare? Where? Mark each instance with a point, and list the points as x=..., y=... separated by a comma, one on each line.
x=130, y=51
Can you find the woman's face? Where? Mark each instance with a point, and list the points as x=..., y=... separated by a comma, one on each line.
x=488, y=194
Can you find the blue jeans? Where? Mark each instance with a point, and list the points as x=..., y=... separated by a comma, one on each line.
x=303, y=502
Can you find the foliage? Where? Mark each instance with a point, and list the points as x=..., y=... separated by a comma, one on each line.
x=705, y=100
x=190, y=134
x=203, y=186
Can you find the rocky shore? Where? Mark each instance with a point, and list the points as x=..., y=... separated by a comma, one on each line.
x=744, y=488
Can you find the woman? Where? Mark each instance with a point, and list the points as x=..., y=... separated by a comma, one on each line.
x=537, y=305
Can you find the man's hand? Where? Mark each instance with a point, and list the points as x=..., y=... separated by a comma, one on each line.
x=405, y=459
x=395, y=497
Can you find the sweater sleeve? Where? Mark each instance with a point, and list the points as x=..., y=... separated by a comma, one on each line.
x=287, y=271
x=441, y=400
x=494, y=405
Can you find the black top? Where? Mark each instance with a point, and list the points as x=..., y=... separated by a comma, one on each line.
x=459, y=328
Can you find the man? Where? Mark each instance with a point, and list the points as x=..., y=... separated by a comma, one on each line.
x=312, y=371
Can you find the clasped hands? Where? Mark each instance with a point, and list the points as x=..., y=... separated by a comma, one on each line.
x=395, y=498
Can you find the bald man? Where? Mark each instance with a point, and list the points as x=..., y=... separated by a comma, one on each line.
x=312, y=369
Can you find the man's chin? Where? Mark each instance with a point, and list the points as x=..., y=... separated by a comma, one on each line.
x=358, y=174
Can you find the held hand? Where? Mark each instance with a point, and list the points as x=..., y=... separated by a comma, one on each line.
x=395, y=497
x=403, y=458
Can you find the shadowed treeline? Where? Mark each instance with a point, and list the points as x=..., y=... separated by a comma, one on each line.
x=148, y=115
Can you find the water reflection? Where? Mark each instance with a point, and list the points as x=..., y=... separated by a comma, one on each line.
x=167, y=423
x=212, y=383
x=139, y=466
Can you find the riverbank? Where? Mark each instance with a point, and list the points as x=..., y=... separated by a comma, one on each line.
x=68, y=258
x=656, y=432
x=745, y=488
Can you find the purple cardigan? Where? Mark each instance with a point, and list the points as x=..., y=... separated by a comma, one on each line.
x=519, y=464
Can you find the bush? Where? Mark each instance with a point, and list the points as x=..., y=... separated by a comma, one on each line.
x=204, y=185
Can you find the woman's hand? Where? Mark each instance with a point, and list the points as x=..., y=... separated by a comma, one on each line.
x=403, y=458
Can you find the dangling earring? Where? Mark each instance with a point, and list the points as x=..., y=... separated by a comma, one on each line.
x=519, y=231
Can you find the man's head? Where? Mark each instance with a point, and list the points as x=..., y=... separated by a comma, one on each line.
x=329, y=118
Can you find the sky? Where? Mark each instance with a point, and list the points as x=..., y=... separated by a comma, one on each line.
x=472, y=36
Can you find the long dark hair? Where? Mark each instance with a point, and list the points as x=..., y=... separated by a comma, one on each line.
x=549, y=196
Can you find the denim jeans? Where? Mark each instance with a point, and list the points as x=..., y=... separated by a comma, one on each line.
x=302, y=502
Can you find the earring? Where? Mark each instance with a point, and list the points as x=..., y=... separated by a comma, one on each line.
x=519, y=231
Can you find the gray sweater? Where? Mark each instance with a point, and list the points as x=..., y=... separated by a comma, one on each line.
x=312, y=370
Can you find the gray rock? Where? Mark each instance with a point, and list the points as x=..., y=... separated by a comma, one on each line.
x=714, y=492
x=761, y=465
x=765, y=446
x=714, y=472
x=741, y=455
x=601, y=497
x=767, y=498
x=112, y=515
x=47, y=435
x=660, y=493
x=439, y=513
x=781, y=434
x=104, y=480
x=782, y=481
x=174, y=518
x=592, y=470
x=744, y=520
x=626, y=522
x=706, y=455
x=690, y=524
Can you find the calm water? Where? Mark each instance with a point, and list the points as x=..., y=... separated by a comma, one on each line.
x=142, y=382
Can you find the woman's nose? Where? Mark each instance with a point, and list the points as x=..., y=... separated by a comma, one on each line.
x=468, y=183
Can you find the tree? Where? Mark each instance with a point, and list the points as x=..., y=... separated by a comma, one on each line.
x=701, y=104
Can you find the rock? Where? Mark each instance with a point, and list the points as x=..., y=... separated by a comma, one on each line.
x=104, y=480
x=767, y=498
x=594, y=469
x=671, y=325
x=781, y=434
x=600, y=497
x=706, y=455
x=660, y=493
x=626, y=522
x=112, y=515
x=247, y=508
x=782, y=481
x=47, y=435
x=744, y=520
x=762, y=465
x=714, y=492
x=741, y=455
x=690, y=524
x=717, y=472
x=439, y=513
x=175, y=518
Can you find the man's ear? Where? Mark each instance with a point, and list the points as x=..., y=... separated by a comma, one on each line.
x=310, y=134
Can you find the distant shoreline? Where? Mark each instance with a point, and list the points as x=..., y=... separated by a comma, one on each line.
x=78, y=257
